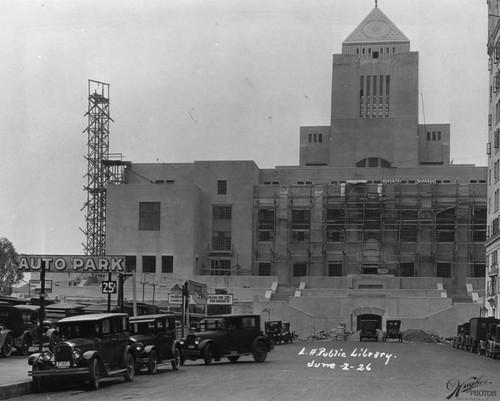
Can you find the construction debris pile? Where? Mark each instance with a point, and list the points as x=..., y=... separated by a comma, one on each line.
x=342, y=334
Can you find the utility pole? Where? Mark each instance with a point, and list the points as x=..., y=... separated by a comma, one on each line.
x=42, y=306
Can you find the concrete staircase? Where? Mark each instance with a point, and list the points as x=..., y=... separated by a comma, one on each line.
x=283, y=292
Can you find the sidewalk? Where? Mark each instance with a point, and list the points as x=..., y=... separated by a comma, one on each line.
x=14, y=380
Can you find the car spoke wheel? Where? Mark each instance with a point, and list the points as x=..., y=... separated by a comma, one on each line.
x=129, y=374
x=233, y=358
x=7, y=345
x=260, y=352
x=176, y=362
x=39, y=383
x=153, y=363
x=24, y=349
x=94, y=374
x=208, y=354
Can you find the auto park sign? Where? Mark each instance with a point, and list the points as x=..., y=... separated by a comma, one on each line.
x=71, y=263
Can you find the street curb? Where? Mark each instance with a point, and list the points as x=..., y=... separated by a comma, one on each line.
x=15, y=389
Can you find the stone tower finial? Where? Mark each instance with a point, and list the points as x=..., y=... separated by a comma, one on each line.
x=376, y=3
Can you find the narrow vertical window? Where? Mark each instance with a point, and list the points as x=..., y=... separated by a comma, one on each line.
x=167, y=264
x=221, y=187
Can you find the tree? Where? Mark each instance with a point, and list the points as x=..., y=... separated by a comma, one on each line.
x=9, y=273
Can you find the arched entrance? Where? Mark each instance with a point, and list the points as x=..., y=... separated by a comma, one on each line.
x=369, y=312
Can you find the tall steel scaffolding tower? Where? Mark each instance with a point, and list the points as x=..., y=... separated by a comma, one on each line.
x=98, y=171
x=104, y=168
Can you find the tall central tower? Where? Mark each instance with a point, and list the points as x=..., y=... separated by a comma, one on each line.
x=374, y=108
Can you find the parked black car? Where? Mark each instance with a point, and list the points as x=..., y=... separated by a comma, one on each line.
x=393, y=330
x=493, y=346
x=278, y=332
x=478, y=331
x=490, y=335
x=229, y=336
x=368, y=329
x=91, y=347
x=19, y=329
x=155, y=341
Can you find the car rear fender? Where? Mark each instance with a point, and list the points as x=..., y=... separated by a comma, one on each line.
x=19, y=340
x=128, y=349
x=204, y=343
x=263, y=340
x=50, y=332
x=175, y=345
x=3, y=335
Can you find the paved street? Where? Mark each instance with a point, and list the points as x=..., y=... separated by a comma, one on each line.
x=314, y=371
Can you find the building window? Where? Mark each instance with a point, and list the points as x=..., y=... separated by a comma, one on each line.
x=445, y=225
x=335, y=224
x=264, y=268
x=439, y=135
x=479, y=225
x=221, y=187
x=130, y=263
x=300, y=269
x=167, y=264
x=479, y=270
x=408, y=225
x=149, y=264
x=221, y=212
x=428, y=135
x=443, y=270
x=220, y=267
x=334, y=269
x=301, y=222
x=149, y=216
x=265, y=225
x=221, y=240
x=407, y=269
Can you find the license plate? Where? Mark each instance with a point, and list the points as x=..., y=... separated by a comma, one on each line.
x=190, y=346
x=64, y=364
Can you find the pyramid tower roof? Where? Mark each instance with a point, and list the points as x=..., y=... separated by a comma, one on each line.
x=376, y=28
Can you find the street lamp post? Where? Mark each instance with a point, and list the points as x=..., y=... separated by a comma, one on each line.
x=143, y=285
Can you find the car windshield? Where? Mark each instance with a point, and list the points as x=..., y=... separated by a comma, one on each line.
x=79, y=330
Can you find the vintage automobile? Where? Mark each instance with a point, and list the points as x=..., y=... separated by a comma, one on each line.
x=493, y=346
x=462, y=336
x=274, y=331
x=368, y=329
x=393, y=330
x=287, y=334
x=102, y=307
x=457, y=338
x=155, y=342
x=92, y=347
x=226, y=336
x=483, y=344
x=19, y=328
x=278, y=332
x=60, y=310
x=478, y=331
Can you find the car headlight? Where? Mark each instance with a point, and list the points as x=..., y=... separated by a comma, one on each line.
x=139, y=347
x=181, y=342
x=47, y=356
x=76, y=354
x=197, y=341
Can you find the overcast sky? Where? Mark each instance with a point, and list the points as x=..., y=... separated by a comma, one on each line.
x=200, y=80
